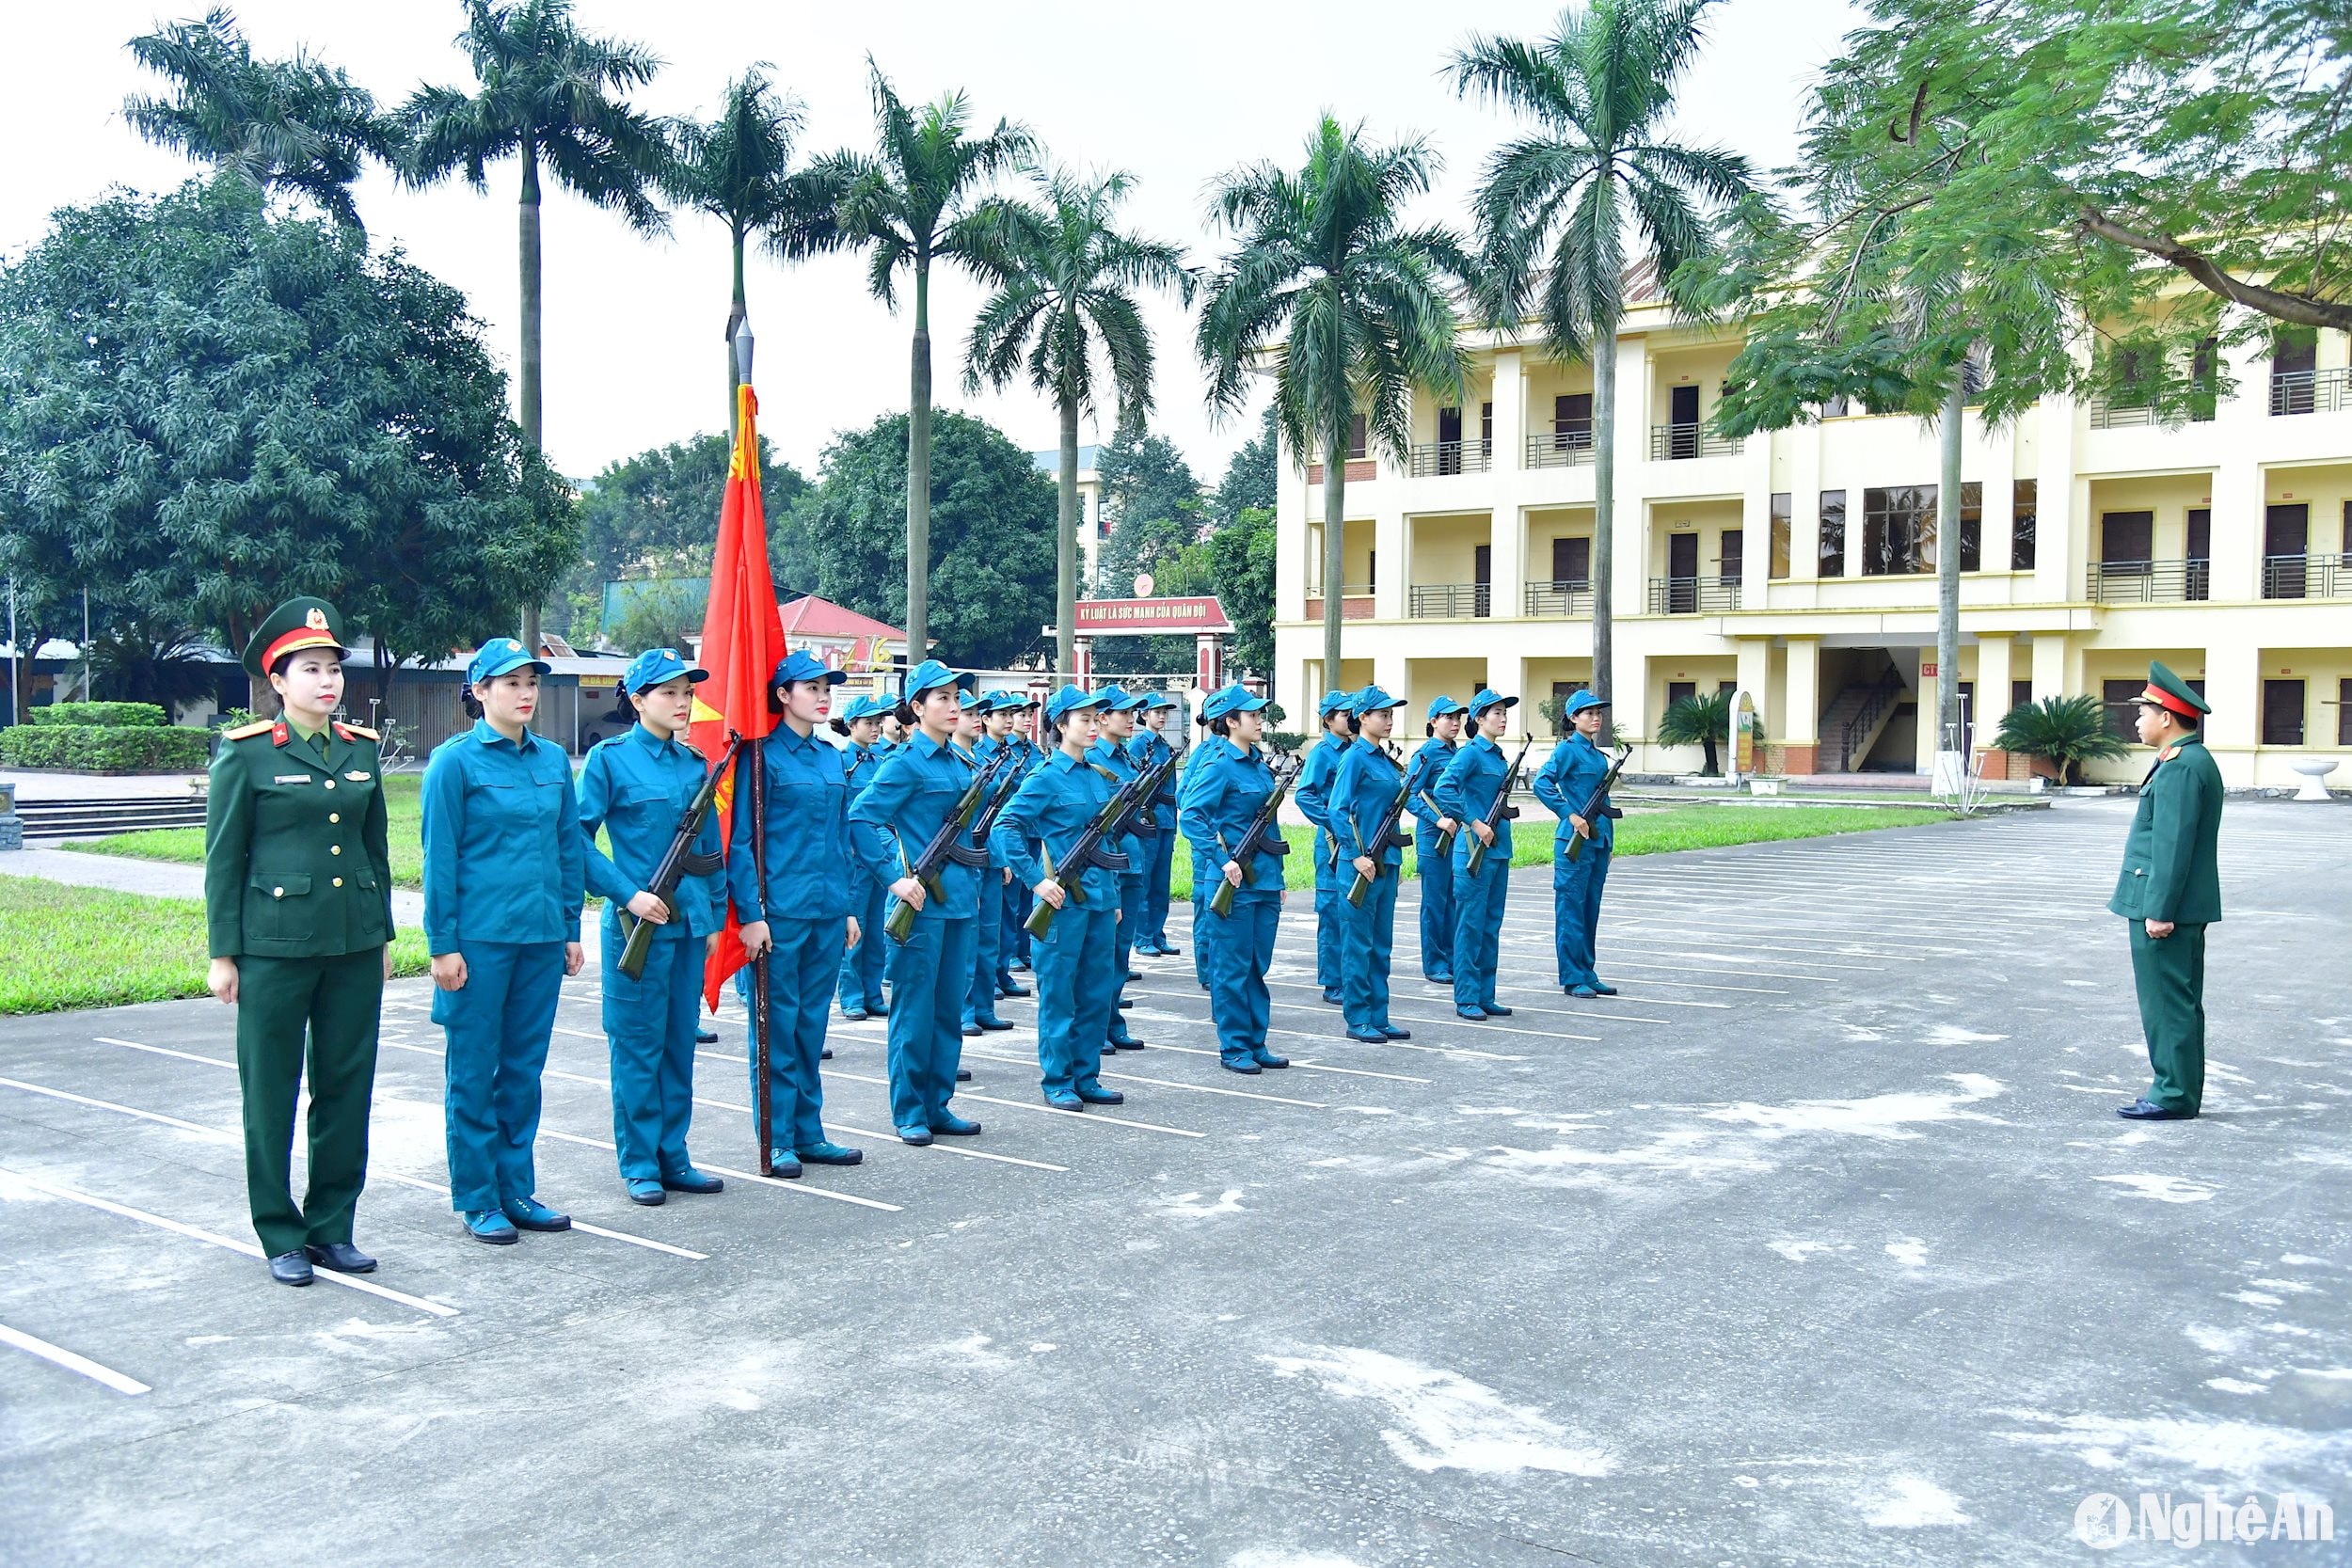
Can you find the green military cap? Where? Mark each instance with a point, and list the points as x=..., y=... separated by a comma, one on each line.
x=2167, y=690
x=296, y=625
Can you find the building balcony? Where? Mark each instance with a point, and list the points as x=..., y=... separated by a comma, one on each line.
x=1564, y=449
x=1357, y=470
x=1450, y=457
x=1671, y=442
x=2311, y=391
x=1692, y=595
x=1558, y=600
x=2307, y=577
x=1355, y=602
x=2107, y=414
x=2149, y=582
x=1449, y=601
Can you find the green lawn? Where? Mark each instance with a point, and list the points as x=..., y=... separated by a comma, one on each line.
x=93, y=947
x=404, y=817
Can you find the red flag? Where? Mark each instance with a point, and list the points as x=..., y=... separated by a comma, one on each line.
x=742, y=643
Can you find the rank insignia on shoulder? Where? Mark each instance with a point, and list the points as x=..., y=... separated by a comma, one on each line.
x=246, y=731
x=358, y=775
x=355, y=732
x=2168, y=753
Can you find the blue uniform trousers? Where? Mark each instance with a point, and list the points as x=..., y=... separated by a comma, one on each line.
x=988, y=960
x=1240, y=948
x=1013, y=941
x=498, y=1024
x=1330, y=899
x=1155, y=897
x=928, y=975
x=1437, y=916
x=862, y=966
x=649, y=1022
x=1200, y=917
x=1076, y=987
x=801, y=972
x=1576, y=886
x=1368, y=937
x=1478, y=929
x=1133, y=888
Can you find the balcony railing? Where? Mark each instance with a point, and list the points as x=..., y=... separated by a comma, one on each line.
x=2149, y=582
x=2311, y=391
x=2107, y=414
x=1668, y=441
x=1572, y=597
x=1692, y=595
x=1452, y=457
x=1441, y=601
x=1561, y=448
x=2307, y=577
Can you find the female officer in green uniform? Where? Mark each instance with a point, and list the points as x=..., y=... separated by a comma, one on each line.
x=298, y=914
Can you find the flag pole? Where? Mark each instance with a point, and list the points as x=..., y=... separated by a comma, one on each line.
x=761, y=1110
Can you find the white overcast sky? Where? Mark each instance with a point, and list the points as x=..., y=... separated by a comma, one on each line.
x=633, y=357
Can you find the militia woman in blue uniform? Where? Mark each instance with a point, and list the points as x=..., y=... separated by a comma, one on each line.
x=1150, y=748
x=1078, y=984
x=800, y=915
x=1012, y=940
x=908, y=803
x=299, y=918
x=1225, y=787
x=1566, y=781
x=861, y=986
x=1444, y=728
x=1114, y=726
x=1466, y=791
x=635, y=788
x=1314, y=802
x=1368, y=781
x=504, y=884
x=988, y=935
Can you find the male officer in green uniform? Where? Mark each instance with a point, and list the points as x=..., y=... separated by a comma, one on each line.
x=2170, y=891
x=297, y=904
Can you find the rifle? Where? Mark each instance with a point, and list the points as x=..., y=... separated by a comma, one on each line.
x=1385, y=836
x=1441, y=847
x=1591, y=801
x=678, y=862
x=1110, y=823
x=1501, y=809
x=1262, y=837
x=944, y=846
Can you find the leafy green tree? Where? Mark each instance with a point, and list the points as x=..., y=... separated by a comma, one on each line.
x=1152, y=506
x=993, y=508
x=1241, y=570
x=548, y=94
x=1065, y=278
x=738, y=169
x=1556, y=206
x=2064, y=732
x=1252, y=477
x=1704, y=721
x=917, y=200
x=1351, y=308
x=208, y=410
x=298, y=126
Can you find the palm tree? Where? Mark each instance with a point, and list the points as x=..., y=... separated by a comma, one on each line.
x=1348, y=306
x=916, y=200
x=738, y=169
x=1554, y=207
x=1700, y=721
x=296, y=125
x=1063, y=291
x=2064, y=732
x=549, y=93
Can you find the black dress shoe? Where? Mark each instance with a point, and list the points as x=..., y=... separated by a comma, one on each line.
x=993, y=1023
x=1102, y=1096
x=339, y=1256
x=2145, y=1109
x=705, y=1036
x=963, y=1075
x=1007, y=988
x=290, y=1268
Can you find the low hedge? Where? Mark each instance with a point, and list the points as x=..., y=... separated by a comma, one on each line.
x=108, y=715
x=106, y=747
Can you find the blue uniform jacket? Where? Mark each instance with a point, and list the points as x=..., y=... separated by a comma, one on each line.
x=1148, y=750
x=1565, y=781
x=1367, y=782
x=859, y=764
x=807, y=842
x=1105, y=754
x=1431, y=759
x=635, y=788
x=1052, y=807
x=502, y=860
x=985, y=752
x=1467, y=791
x=1224, y=788
x=1314, y=789
x=909, y=800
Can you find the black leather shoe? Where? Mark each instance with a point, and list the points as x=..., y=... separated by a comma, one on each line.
x=290, y=1268
x=963, y=1075
x=1007, y=988
x=339, y=1256
x=1103, y=1097
x=1135, y=975
x=995, y=1023
x=2145, y=1109
x=705, y=1036
x=1394, y=1033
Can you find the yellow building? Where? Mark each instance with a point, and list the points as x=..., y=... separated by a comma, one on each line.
x=1801, y=564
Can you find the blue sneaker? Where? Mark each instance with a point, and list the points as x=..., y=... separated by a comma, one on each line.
x=689, y=1179
x=1476, y=1014
x=915, y=1133
x=489, y=1224
x=1247, y=1066
x=830, y=1154
x=949, y=1125
x=783, y=1164
x=528, y=1214
x=647, y=1191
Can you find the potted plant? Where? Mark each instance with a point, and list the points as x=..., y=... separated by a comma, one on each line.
x=1701, y=722
x=2059, y=735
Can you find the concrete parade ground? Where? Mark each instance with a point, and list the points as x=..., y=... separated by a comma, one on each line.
x=1819, y=1244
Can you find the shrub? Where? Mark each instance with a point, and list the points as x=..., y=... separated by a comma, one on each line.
x=2064, y=732
x=118, y=715
x=1701, y=722
x=106, y=748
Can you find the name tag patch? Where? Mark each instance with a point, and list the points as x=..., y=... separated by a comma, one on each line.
x=291, y=777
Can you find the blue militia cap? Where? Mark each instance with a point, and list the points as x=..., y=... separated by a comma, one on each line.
x=930, y=673
x=1160, y=699
x=865, y=708
x=1333, y=702
x=801, y=665
x=499, y=655
x=1488, y=699
x=1228, y=700
x=1069, y=699
x=656, y=665
x=1441, y=705
x=1373, y=700
x=1580, y=701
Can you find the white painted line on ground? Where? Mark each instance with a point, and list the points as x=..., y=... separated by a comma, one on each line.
x=440, y=1190
x=214, y=1132
x=746, y=1175
x=1095, y=1116
x=59, y=1355
x=889, y=1139
x=167, y=1050
x=1297, y=1063
x=1172, y=1083
x=1407, y=1045
x=214, y=1239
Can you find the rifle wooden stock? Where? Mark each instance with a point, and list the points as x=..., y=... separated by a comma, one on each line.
x=1591, y=801
x=926, y=867
x=678, y=862
x=1361, y=889
x=1494, y=813
x=1221, y=901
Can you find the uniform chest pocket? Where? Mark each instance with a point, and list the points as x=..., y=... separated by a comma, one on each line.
x=278, y=907
x=518, y=803
x=816, y=792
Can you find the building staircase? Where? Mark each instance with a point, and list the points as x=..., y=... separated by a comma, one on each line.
x=1855, y=719
x=103, y=817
